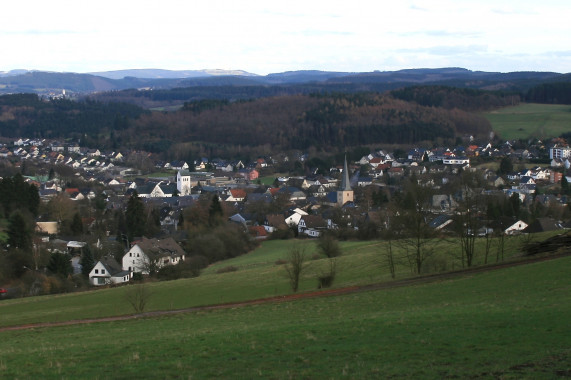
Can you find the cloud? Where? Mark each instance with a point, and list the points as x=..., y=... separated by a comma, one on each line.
x=505, y=11
x=415, y=7
x=36, y=32
x=561, y=54
x=441, y=33
x=447, y=50
x=321, y=33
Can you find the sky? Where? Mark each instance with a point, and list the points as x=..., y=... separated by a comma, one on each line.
x=268, y=36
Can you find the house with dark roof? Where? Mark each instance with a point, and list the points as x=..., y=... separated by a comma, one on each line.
x=543, y=225
x=311, y=225
x=108, y=271
x=152, y=254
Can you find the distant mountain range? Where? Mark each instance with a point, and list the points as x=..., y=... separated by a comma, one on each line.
x=41, y=82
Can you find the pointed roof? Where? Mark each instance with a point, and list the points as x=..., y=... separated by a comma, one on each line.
x=345, y=182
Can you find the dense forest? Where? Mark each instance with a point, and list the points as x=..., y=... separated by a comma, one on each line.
x=267, y=122
x=550, y=93
x=27, y=115
x=466, y=99
x=298, y=122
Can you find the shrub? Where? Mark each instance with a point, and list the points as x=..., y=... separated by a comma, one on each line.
x=193, y=265
x=434, y=264
x=169, y=272
x=227, y=269
x=281, y=234
x=328, y=245
x=280, y=262
x=325, y=280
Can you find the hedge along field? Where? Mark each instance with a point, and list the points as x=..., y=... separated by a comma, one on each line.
x=509, y=323
x=257, y=276
x=530, y=120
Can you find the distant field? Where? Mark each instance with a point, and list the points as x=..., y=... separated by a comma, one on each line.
x=530, y=120
x=510, y=324
x=163, y=174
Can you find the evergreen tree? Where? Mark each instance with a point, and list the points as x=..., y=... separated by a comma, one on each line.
x=515, y=204
x=60, y=264
x=215, y=211
x=135, y=219
x=19, y=234
x=153, y=224
x=76, y=225
x=87, y=261
x=506, y=165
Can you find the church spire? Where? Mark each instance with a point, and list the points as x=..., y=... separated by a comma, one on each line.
x=345, y=182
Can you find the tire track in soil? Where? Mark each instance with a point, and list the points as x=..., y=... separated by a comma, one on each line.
x=293, y=297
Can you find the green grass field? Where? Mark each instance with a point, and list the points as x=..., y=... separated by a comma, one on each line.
x=530, y=120
x=511, y=324
x=258, y=276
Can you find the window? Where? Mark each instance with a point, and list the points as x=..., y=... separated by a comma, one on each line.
x=96, y=271
x=102, y=271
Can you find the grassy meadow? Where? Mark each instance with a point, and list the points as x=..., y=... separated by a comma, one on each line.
x=530, y=120
x=511, y=324
x=259, y=274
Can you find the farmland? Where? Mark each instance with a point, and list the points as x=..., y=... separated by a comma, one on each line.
x=258, y=275
x=509, y=323
x=530, y=120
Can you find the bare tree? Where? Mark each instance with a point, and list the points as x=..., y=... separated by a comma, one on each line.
x=390, y=258
x=388, y=234
x=467, y=225
x=416, y=236
x=295, y=266
x=138, y=297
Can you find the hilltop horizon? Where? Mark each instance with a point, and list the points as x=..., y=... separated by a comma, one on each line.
x=162, y=73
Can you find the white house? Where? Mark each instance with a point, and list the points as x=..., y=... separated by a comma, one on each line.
x=152, y=254
x=295, y=217
x=559, y=152
x=108, y=271
x=311, y=225
x=456, y=161
x=515, y=228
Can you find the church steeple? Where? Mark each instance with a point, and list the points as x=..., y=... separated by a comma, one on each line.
x=345, y=181
x=345, y=193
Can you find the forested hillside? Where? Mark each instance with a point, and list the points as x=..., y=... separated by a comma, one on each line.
x=276, y=123
x=466, y=99
x=281, y=123
x=26, y=115
x=298, y=122
x=550, y=93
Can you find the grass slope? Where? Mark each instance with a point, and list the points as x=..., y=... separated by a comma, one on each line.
x=258, y=276
x=510, y=323
x=530, y=120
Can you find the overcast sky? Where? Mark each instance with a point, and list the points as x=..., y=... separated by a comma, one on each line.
x=275, y=36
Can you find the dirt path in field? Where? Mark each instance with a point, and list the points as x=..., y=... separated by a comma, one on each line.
x=297, y=296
